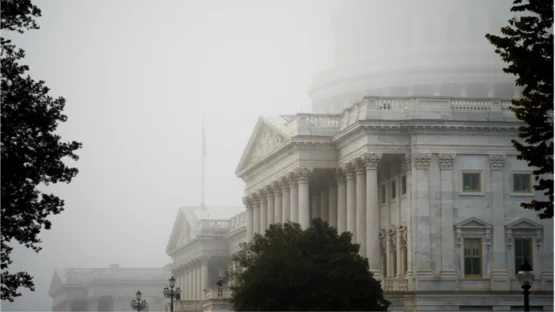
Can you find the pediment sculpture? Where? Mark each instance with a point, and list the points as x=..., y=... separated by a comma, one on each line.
x=268, y=141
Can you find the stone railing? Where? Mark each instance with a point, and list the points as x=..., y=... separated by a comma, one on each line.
x=212, y=293
x=238, y=221
x=186, y=306
x=213, y=227
x=395, y=284
x=403, y=108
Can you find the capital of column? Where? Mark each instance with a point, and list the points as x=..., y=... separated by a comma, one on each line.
x=276, y=186
x=497, y=161
x=248, y=201
x=203, y=259
x=270, y=190
x=303, y=174
x=371, y=160
x=421, y=160
x=446, y=161
x=283, y=184
x=360, y=166
x=292, y=179
x=262, y=193
x=340, y=176
x=349, y=170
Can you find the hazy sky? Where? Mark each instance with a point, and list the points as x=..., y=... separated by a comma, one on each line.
x=137, y=76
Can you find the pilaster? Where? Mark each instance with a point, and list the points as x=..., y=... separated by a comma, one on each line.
x=341, y=201
x=499, y=275
x=411, y=227
x=256, y=214
x=332, y=203
x=448, y=272
x=270, y=201
x=422, y=219
x=263, y=201
x=373, y=251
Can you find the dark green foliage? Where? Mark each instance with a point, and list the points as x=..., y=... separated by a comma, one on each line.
x=32, y=154
x=527, y=46
x=289, y=269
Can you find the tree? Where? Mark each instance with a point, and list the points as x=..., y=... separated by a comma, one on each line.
x=289, y=269
x=32, y=153
x=527, y=46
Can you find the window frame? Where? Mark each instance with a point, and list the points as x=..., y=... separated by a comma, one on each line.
x=403, y=186
x=480, y=179
x=531, y=259
x=530, y=192
x=481, y=263
x=470, y=228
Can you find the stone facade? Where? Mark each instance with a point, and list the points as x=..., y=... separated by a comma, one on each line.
x=107, y=289
x=394, y=172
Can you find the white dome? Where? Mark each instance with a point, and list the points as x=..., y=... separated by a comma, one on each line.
x=408, y=47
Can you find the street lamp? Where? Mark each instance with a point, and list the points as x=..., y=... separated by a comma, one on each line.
x=138, y=304
x=526, y=279
x=172, y=293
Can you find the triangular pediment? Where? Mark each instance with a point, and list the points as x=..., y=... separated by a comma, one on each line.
x=265, y=139
x=472, y=223
x=524, y=223
x=180, y=232
x=55, y=284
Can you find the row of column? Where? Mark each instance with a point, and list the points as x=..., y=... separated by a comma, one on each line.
x=192, y=278
x=350, y=205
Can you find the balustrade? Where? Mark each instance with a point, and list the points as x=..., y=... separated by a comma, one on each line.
x=212, y=293
x=395, y=284
x=186, y=306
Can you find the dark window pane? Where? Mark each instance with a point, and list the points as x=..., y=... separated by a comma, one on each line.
x=393, y=189
x=521, y=182
x=404, y=185
x=471, y=182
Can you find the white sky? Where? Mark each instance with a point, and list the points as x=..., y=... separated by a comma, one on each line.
x=137, y=75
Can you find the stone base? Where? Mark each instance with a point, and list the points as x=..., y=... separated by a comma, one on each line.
x=217, y=305
x=449, y=280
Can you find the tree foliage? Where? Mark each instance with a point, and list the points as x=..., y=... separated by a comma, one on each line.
x=32, y=154
x=289, y=269
x=527, y=46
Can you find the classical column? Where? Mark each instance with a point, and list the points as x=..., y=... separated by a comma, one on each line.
x=422, y=217
x=263, y=201
x=446, y=162
x=499, y=273
x=270, y=191
x=278, y=213
x=204, y=275
x=186, y=285
x=341, y=201
x=351, y=200
x=303, y=175
x=178, y=279
x=332, y=204
x=285, y=200
x=324, y=203
x=373, y=252
x=247, y=201
x=361, y=206
x=194, y=280
x=256, y=214
x=410, y=226
x=294, y=200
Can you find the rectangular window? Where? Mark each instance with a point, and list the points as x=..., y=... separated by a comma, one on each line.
x=404, y=185
x=405, y=259
x=523, y=250
x=382, y=193
x=522, y=183
x=473, y=257
x=471, y=182
x=394, y=262
x=393, y=189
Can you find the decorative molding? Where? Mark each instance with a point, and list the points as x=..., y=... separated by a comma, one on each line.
x=402, y=236
x=392, y=239
x=292, y=179
x=283, y=183
x=248, y=201
x=497, y=161
x=446, y=161
x=382, y=238
x=268, y=141
x=371, y=160
x=340, y=176
x=524, y=227
x=303, y=174
x=473, y=227
x=421, y=161
x=408, y=162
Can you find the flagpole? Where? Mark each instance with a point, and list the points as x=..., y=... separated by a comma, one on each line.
x=202, y=165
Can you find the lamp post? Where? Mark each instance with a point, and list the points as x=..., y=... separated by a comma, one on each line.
x=172, y=293
x=526, y=279
x=138, y=304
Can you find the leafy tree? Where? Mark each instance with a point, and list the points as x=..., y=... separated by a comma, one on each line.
x=527, y=46
x=289, y=269
x=32, y=154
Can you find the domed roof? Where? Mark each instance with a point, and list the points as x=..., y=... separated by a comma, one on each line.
x=407, y=47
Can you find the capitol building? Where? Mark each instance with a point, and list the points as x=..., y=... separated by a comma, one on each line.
x=408, y=146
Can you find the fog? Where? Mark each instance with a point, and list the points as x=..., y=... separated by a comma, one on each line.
x=137, y=77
